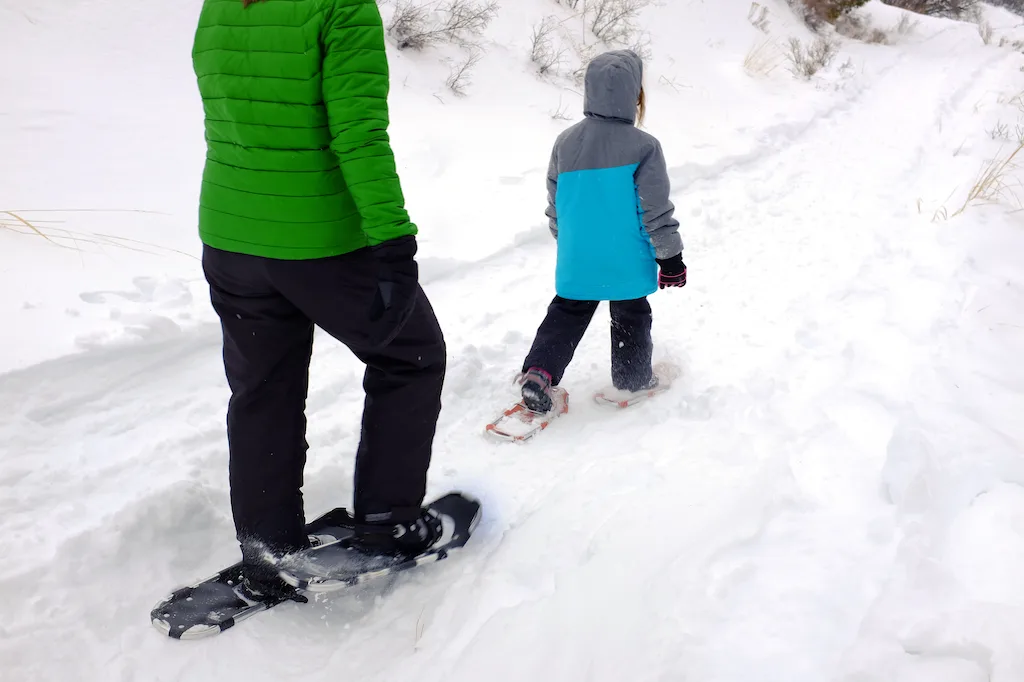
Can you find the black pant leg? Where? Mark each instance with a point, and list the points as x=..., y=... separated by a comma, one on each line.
x=267, y=347
x=558, y=336
x=403, y=380
x=403, y=383
x=632, y=346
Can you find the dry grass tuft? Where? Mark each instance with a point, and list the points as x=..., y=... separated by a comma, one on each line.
x=993, y=182
x=763, y=58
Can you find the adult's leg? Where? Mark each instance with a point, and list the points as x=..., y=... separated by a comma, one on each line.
x=403, y=380
x=267, y=346
x=403, y=383
x=558, y=336
x=632, y=346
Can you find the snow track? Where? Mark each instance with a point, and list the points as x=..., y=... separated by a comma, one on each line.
x=830, y=492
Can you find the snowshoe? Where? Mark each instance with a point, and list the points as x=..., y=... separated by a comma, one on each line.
x=664, y=375
x=446, y=523
x=541, y=404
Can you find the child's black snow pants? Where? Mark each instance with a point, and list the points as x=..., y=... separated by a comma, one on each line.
x=566, y=323
x=268, y=309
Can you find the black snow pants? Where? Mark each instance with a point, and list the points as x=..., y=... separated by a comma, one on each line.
x=566, y=323
x=268, y=309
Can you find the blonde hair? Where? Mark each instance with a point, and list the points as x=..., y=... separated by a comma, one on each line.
x=641, y=107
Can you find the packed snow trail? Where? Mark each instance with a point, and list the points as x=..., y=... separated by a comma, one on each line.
x=792, y=510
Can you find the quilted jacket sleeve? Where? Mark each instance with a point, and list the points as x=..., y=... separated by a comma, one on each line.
x=552, y=181
x=653, y=186
x=355, y=90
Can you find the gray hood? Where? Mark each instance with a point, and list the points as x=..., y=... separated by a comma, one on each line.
x=612, y=85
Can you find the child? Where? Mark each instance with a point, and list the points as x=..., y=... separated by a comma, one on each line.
x=617, y=240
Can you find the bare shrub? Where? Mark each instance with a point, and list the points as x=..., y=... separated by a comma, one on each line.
x=860, y=28
x=410, y=24
x=951, y=9
x=561, y=113
x=586, y=53
x=1001, y=130
x=416, y=26
x=985, y=31
x=805, y=62
x=758, y=16
x=459, y=78
x=906, y=25
x=641, y=45
x=614, y=21
x=543, y=53
x=1015, y=6
x=815, y=13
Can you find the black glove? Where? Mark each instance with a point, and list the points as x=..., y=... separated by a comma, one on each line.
x=673, y=272
x=397, y=289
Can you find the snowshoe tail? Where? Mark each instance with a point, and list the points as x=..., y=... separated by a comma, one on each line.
x=211, y=606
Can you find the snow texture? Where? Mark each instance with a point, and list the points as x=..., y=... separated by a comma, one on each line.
x=831, y=491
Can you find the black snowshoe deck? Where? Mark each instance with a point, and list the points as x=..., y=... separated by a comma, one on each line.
x=213, y=605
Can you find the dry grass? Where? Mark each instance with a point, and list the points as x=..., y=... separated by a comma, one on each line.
x=763, y=58
x=17, y=222
x=14, y=222
x=993, y=181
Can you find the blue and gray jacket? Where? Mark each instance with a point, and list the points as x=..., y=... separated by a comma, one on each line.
x=608, y=192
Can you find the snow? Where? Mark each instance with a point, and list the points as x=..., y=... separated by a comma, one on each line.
x=831, y=491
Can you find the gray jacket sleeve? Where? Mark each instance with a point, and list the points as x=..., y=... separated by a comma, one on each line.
x=552, y=190
x=653, y=186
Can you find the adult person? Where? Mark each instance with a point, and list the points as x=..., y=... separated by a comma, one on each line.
x=303, y=223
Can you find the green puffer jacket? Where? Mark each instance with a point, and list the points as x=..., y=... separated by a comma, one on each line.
x=299, y=163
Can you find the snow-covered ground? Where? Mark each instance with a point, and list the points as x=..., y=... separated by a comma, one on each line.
x=833, y=491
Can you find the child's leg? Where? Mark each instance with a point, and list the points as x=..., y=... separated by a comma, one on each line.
x=631, y=344
x=559, y=335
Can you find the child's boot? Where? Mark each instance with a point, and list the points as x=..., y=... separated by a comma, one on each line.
x=537, y=390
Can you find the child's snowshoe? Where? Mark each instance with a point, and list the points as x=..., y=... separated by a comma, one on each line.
x=664, y=375
x=541, y=404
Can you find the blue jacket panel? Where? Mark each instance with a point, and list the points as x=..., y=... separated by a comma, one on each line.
x=604, y=252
